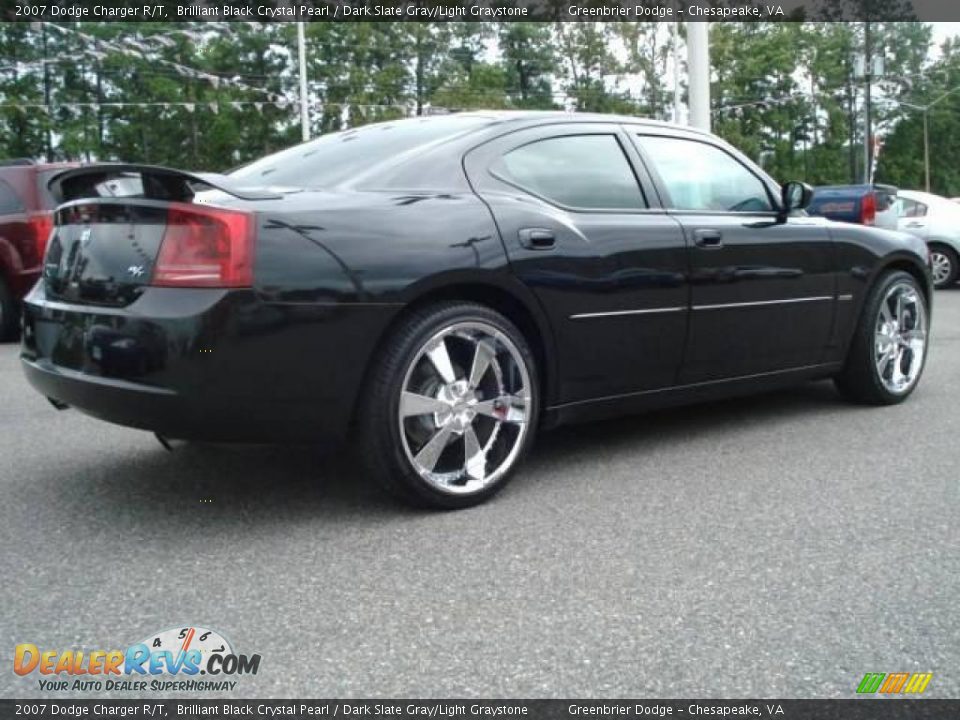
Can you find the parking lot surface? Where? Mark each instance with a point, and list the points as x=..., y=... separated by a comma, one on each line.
x=781, y=545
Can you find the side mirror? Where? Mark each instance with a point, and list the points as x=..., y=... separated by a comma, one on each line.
x=795, y=196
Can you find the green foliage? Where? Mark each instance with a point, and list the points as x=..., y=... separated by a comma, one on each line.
x=214, y=95
x=901, y=161
x=786, y=94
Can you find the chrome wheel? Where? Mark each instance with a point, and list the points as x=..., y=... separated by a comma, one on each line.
x=900, y=338
x=464, y=407
x=941, y=266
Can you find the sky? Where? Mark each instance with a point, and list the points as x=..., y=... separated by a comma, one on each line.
x=943, y=30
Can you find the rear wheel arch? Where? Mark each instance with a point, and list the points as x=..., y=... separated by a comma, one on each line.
x=535, y=330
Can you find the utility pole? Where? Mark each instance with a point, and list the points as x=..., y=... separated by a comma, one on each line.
x=46, y=91
x=675, y=32
x=925, y=109
x=868, y=131
x=304, y=100
x=698, y=66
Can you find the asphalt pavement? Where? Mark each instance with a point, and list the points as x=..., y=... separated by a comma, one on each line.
x=775, y=546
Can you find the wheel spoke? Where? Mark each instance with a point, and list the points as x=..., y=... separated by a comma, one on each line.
x=884, y=359
x=901, y=337
x=413, y=404
x=506, y=408
x=475, y=462
x=885, y=312
x=897, y=376
x=483, y=355
x=466, y=369
x=440, y=359
x=430, y=453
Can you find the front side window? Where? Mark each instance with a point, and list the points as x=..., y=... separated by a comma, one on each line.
x=578, y=171
x=701, y=177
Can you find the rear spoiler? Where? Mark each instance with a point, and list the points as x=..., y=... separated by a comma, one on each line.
x=159, y=183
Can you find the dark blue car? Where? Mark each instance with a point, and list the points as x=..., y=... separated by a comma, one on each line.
x=861, y=204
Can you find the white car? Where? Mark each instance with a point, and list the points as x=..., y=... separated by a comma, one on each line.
x=937, y=220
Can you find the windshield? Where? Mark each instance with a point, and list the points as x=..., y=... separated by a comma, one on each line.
x=331, y=159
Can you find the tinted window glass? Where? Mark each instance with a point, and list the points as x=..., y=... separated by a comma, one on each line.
x=910, y=208
x=703, y=177
x=337, y=157
x=43, y=177
x=583, y=171
x=9, y=201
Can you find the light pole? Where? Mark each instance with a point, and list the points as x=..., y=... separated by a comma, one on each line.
x=698, y=69
x=304, y=101
x=675, y=34
x=925, y=109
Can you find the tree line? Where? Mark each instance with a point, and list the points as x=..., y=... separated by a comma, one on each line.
x=215, y=95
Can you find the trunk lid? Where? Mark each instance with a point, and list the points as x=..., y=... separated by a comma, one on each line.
x=103, y=253
x=107, y=237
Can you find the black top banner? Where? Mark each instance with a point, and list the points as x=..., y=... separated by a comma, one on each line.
x=481, y=10
x=485, y=709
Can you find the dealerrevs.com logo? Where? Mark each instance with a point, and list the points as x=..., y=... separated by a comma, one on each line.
x=179, y=659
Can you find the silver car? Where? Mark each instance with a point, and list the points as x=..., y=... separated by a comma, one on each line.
x=937, y=220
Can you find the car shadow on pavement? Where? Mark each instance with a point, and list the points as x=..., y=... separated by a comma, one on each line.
x=661, y=427
x=219, y=486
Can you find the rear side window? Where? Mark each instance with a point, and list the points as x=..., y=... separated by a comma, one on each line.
x=9, y=200
x=910, y=208
x=701, y=177
x=578, y=171
x=338, y=157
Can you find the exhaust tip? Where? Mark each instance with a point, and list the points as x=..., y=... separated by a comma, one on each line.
x=57, y=404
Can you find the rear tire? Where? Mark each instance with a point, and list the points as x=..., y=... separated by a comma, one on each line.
x=945, y=265
x=889, y=346
x=450, y=407
x=9, y=314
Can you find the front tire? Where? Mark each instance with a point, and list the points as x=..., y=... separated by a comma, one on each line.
x=889, y=346
x=944, y=265
x=451, y=407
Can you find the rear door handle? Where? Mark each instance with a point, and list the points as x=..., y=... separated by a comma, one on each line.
x=537, y=238
x=707, y=238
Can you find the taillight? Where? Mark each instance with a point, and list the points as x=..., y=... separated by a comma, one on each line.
x=868, y=209
x=205, y=247
x=42, y=225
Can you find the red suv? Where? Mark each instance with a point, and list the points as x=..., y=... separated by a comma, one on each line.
x=25, y=224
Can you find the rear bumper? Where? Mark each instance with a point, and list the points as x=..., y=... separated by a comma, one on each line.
x=216, y=365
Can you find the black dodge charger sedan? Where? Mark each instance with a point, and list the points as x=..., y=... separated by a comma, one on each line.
x=438, y=288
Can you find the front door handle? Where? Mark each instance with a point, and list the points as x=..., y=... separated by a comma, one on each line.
x=708, y=239
x=537, y=238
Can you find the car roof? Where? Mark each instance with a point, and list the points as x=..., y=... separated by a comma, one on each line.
x=532, y=117
x=919, y=195
x=931, y=200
